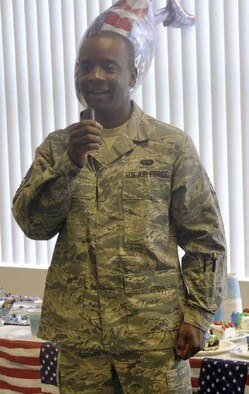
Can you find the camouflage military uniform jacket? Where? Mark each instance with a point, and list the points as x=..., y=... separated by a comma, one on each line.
x=115, y=282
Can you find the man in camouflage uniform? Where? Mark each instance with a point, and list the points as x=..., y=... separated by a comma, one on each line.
x=126, y=315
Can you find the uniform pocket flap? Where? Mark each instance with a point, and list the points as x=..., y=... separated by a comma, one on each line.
x=145, y=188
x=147, y=282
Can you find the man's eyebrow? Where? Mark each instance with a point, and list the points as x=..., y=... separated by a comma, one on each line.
x=114, y=61
x=84, y=61
x=105, y=60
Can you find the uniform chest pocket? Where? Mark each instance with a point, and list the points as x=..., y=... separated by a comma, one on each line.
x=145, y=203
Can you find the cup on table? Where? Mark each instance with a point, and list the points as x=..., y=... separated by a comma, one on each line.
x=34, y=317
x=38, y=303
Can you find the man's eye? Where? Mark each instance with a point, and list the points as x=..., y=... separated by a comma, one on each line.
x=111, y=68
x=85, y=68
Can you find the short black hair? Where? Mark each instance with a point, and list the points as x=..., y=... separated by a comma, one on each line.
x=129, y=46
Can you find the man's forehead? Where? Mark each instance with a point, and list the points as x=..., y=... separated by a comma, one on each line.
x=110, y=44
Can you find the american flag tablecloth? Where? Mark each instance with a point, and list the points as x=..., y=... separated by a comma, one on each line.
x=28, y=367
x=218, y=369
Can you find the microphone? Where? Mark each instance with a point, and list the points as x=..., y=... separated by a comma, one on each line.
x=92, y=113
x=90, y=158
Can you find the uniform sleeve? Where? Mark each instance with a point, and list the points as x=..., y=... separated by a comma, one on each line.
x=42, y=201
x=200, y=232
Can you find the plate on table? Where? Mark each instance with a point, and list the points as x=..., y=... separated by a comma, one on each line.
x=241, y=351
x=17, y=319
x=224, y=346
x=240, y=334
x=15, y=332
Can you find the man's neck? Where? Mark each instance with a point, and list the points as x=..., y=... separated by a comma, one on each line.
x=113, y=120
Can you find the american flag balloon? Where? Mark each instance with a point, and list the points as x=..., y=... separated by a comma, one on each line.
x=136, y=20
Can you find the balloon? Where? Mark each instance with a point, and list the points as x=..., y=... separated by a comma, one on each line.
x=136, y=20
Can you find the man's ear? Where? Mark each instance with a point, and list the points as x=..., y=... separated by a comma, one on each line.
x=133, y=78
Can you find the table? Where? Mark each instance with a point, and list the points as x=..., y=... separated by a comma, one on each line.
x=28, y=365
x=196, y=363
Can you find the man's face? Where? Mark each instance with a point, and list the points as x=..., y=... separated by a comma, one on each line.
x=104, y=75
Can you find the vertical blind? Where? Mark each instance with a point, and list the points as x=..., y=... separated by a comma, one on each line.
x=198, y=81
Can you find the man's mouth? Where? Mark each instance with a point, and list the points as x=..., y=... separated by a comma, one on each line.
x=98, y=92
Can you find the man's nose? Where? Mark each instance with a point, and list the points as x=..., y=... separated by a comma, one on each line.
x=97, y=73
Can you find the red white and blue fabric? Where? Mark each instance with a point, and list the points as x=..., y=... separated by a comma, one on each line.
x=28, y=367
x=217, y=376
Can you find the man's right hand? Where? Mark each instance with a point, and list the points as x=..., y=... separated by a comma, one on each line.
x=85, y=136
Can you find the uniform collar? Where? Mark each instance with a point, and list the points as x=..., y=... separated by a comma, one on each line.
x=138, y=127
x=138, y=131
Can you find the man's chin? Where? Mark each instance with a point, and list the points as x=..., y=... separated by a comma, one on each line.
x=101, y=107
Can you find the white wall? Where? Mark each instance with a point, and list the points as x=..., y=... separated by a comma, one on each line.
x=23, y=281
x=244, y=289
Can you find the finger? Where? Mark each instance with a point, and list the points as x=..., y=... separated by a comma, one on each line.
x=91, y=122
x=87, y=139
x=92, y=146
x=74, y=126
x=84, y=123
x=89, y=130
x=90, y=139
x=190, y=350
x=180, y=344
x=185, y=352
x=179, y=351
x=181, y=339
